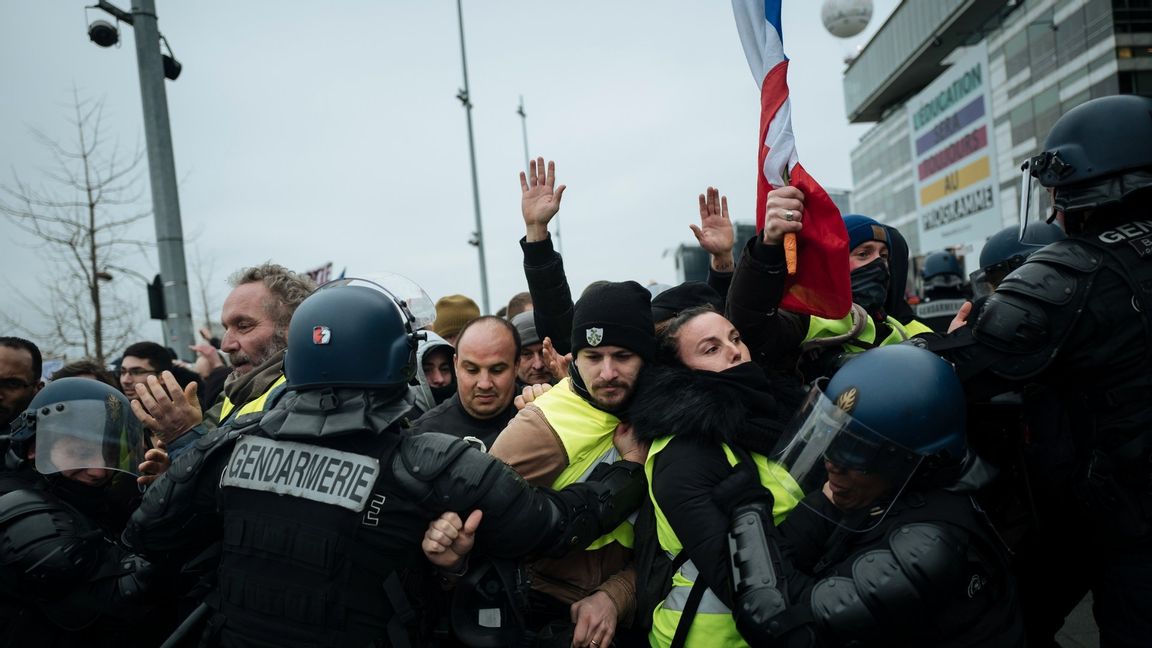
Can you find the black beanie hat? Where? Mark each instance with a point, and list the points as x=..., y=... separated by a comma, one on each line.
x=614, y=314
x=689, y=294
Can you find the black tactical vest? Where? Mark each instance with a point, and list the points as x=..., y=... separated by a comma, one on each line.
x=316, y=549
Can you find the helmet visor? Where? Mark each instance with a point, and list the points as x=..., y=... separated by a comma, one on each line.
x=849, y=473
x=1035, y=205
x=985, y=280
x=420, y=306
x=88, y=436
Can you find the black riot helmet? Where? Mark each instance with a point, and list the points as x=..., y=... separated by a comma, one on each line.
x=78, y=424
x=351, y=333
x=1097, y=153
x=942, y=270
x=1007, y=250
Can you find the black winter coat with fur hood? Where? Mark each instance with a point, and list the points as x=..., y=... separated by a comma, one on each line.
x=701, y=410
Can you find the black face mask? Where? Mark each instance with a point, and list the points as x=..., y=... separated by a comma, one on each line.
x=870, y=285
x=441, y=394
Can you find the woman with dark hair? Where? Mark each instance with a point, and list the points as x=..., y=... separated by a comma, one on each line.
x=707, y=411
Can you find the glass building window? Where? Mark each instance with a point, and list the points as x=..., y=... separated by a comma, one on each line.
x=1016, y=53
x=1023, y=128
x=1132, y=16
x=1072, y=38
x=1137, y=82
x=1046, y=110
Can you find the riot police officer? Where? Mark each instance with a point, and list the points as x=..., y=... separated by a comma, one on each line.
x=1075, y=317
x=321, y=503
x=1007, y=250
x=887, y=547
x=70, y=484
x=944, y=290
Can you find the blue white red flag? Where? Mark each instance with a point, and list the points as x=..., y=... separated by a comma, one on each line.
x=821, y=285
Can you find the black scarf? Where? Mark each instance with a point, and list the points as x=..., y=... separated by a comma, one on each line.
x=739, y=406
x=870, y=287
x=748, y=384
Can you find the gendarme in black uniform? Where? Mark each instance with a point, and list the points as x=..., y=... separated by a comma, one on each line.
x=320, y=506
x=65, y=494
x=902, y=559
x=1075, y=318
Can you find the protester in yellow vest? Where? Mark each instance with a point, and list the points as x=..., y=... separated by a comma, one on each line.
x=562, y=436
x=256, y=315
x=705, y=408
x=817, y=346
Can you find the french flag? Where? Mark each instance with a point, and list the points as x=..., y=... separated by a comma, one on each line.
x=821, y=285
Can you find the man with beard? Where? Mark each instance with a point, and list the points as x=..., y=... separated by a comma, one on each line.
x=817, y=346
x=255, y=318
x=564, y=434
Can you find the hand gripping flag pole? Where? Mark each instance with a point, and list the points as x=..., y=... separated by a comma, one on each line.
x=820, y=286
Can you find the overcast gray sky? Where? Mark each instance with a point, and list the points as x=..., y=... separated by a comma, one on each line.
x=314, y=132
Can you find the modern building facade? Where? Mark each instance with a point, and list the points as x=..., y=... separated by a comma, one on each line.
x=961, y=92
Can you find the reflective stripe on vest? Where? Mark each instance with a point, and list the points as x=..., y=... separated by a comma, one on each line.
x=713, y=624
x=677, y=599
x=818, y=327
x=254, y=405
x=586, y=434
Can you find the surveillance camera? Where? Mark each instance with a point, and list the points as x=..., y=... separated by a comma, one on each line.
x=103, y=33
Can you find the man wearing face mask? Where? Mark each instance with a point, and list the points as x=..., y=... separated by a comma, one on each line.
x=814, y=345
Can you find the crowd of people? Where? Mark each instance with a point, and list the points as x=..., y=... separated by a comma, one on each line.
x=692, y=466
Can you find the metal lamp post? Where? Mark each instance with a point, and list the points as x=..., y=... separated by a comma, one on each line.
x=153, y=68
x=478, y=238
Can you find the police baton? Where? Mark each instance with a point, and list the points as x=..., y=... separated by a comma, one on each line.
x=191, y=623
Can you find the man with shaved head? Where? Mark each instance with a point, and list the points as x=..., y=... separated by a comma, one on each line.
x=487, y=356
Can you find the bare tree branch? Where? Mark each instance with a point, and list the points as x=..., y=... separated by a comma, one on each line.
x=85, y=224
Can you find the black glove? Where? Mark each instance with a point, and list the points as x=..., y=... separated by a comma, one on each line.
x=740, y=488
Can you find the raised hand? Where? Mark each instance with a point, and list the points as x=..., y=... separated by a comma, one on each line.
x=165, y=409
x=539, y=199
x=207, y=358
x=784, y=209
x=715, y=233
x=556, y=363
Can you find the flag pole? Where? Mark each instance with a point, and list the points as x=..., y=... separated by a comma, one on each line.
x=789, y=237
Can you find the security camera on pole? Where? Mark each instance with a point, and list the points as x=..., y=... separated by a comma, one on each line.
x=154, y=68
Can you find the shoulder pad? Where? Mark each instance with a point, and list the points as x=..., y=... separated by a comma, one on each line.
x=922, y=563
x=247, y=420
x=1012, y=324
x=836, y=603
x=1047, y=283
x=188, y=464
x=25, y=501
x=44, y=545
x=439, y=473
x=931, y=555
x=425, y=456
x=1070, y=253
